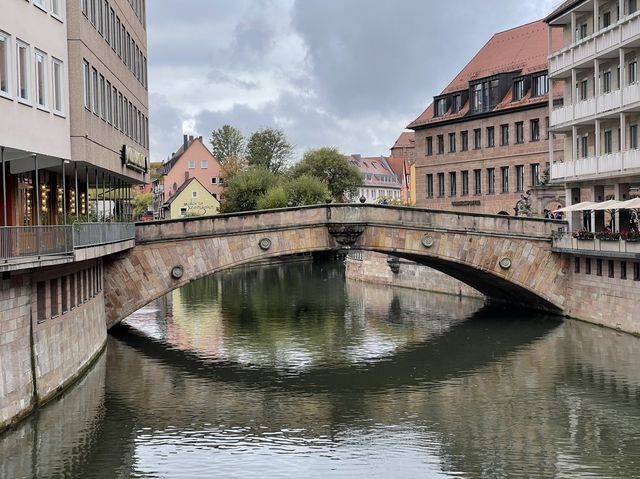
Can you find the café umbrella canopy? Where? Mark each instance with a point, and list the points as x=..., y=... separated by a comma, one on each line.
x=585, y=205
x=607, y=205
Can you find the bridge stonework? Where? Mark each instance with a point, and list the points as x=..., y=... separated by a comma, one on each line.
x=503, y=257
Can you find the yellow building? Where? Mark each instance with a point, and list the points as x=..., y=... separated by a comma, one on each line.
x=191, y=199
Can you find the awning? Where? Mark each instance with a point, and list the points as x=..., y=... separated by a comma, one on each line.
x=607, y=205
x=585, y=205
x=632, y=204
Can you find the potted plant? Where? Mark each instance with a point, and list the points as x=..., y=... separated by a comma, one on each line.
x=609, y=235
x=583, y=234
x=631, y=236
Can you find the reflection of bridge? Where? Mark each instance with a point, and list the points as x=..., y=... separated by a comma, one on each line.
x=505, y=258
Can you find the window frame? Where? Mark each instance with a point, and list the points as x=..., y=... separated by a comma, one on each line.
x=453, y=184
x=57, y=109
x=429, y=185
x=27, y=71
x=504, y=172
x=519, y=132
x=6, y=45
x=519, y=178
x=491, y=181
x=491, y=137
x=534, y=127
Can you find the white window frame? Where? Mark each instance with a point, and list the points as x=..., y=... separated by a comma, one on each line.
x=57, y=14
x=204, y=164
x=191, y=164
x=40, y=62
x=108, y=102
x=40, y=4
x=194, y=194
x=102, y=98
x=183, y=211
x=27, y=60
x=59, y=84
x=86, y=79
x=6, y=41
x=95, y=100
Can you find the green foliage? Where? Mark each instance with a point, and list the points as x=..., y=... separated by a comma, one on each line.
x=269, y=148
x=244, y=189
x=141, y=204
x=276, y=197
x=227, y=142
x=306, y=190
x=333, y=169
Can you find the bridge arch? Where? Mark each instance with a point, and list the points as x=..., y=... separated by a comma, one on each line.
x=506, y=258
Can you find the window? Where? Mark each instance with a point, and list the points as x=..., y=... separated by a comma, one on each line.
x=476, y=97
x=183, y=211
x=623, y=270
x=56, y=9
x=464, y=139
x=41, y=298
x=87, y=84
x=465, y=183
x=520, y=132
x=39, y=3
x=576, y=264
x=633, y=137
x=599, y=267
x=583, y=144
x=504, y=170
x=518, y=90
x=96, y=91
x=192, y=164
x=636, y=271
x=440, y=144
x=606, y=82
x=214, y=180
x=491, y=180
x=504, y=135
x=53, y=295
x=478, y=181
x=4, y=65
x=606, y=19
x=220, y=180
x=85, y=7
x=485, y=95
x=587, y=266
x=535, y=130
x=440, y=184
x=429, y=186
x=113, y=33
x=583, y=90
x=477, y=138
x=441, y=106
x=633, y=72
x=204, y=164
x=633, y=6
x=429, y=146
x=452, y=142
x=58, y=86
x=108, y=103
x=491, y=142
x=72, y=290
x=456, y=105
x=64, y=288
x=611, y=269
x=194, y=194
x=23, y=70
x=102, y=97
x=581, y=32
x=535, y=174
x=540, y=84
x=608, y=142
x=520, y=178
x=41, y=79
x=453, y=186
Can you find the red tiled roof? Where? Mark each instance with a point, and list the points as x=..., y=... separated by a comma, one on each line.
x=376, y=165
x=407, y=139
x=397, y=165
x=522, y=49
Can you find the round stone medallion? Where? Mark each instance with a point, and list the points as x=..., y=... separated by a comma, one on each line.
x=265, y=244
x=505, y=263
x=177, y=272
x=427, y=241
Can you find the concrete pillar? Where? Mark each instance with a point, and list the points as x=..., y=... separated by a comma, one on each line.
x=77, y=193
x=623, y=138
x=574, y=218
x=596, y=82
x=37, y=190
x=596, y=15
x=573, y=27
x=597, y=217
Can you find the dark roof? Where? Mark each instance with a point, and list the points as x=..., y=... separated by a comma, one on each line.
x=562, y=8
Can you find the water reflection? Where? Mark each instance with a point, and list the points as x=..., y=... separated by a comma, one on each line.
x=289, y=371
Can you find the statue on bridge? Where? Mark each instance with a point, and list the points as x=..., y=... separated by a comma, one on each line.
x=523, y=206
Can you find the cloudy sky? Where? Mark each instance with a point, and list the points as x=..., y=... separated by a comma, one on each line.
x=345, y=73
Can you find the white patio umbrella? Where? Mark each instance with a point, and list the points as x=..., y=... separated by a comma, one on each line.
x=606, y=205
x=631, y=204
x=585, y=205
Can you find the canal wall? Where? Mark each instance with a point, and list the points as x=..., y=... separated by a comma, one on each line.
x=51, y=329
x=374, y=268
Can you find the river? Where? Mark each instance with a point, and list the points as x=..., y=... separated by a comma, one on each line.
x=291, y=371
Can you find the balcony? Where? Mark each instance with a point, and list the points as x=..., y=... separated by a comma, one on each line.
x=584, y=167
x=585, y=108
x=609, y=101
x=565, y=243
x=24, y=247
x=562, y=115
x=584, y=49
x=631, y=94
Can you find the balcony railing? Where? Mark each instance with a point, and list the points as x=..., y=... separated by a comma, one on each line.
x=585, y=108
x=609, y=101
x=36, y=241
x=627, y=160
x=567, y=242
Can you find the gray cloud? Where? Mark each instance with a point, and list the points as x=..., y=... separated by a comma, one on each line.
x=348, y=73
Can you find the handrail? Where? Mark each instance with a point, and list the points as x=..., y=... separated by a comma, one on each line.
x=18, y=242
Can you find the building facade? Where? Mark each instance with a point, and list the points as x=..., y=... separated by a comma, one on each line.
x=379, y=182
x=190, y=200
x=484, y=142
x=192, y=160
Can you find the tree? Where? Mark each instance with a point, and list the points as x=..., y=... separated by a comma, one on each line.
x=227, y=142
x=269, y=148
x=332, y=167
x=306, y=190
x=245, y=188
x=141, y=204
x=276, y=197
x=232, y=166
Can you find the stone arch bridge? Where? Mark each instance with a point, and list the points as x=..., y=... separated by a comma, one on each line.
x=506, y=258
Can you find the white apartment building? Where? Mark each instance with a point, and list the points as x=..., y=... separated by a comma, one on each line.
x=598, y=111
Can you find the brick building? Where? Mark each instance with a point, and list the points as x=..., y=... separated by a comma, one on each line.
x=483, y=142
x=379, y=181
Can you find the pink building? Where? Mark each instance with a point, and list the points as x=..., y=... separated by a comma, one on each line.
x=192, y=160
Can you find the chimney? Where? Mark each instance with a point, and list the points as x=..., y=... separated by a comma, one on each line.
x=185, y=139
x=190, y=138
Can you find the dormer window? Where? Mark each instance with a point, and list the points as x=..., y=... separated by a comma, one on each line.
x=456, y=104
x=485, y=95
x=441, y=106
x=518, y=90
x=540, y=85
